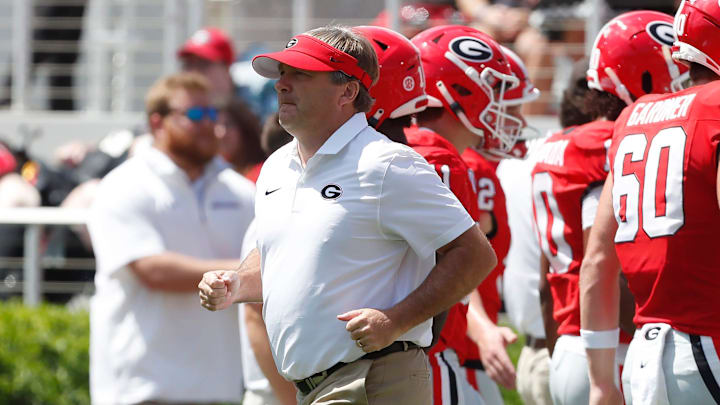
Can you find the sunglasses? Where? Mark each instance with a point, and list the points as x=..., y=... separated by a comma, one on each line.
x=197, y=113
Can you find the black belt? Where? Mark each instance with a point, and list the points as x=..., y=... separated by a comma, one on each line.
x=308, y=384
x=535, y=343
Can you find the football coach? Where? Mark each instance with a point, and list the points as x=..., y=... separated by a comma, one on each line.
x=359, y=244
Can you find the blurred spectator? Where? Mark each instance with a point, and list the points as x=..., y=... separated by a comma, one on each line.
x=57, y=28
x=416, y=17
x=273, y=135
x=257, y=91
x=240, y=139
x=209, y=51
x=158, y=222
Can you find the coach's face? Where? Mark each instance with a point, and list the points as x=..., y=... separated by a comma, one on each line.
x=306, y=99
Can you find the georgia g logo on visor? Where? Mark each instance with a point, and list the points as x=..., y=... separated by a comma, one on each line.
x=291, y=43
x=662, y=32
x=471, y=49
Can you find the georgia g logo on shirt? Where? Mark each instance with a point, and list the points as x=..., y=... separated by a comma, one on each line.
x=331, y=192
x=471, y=49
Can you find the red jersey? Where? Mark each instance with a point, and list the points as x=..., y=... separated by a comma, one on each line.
x=443, y=156
x=569, y=164
x=490, y=199
x=664, y=160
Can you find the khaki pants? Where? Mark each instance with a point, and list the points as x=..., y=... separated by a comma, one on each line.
x=533, y=375
x=396, y=379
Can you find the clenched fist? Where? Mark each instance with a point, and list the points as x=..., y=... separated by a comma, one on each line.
x=218, y=289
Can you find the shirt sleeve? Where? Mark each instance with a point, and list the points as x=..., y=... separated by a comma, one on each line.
x=416, y=206
x=590, y=203
x=121, y=227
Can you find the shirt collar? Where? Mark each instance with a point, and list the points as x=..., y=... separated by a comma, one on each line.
x=343, y=135
x=161, y=164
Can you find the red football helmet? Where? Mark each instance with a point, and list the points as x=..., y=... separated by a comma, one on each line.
x=526, y=91
x=697, y=26
x=400, y=89
x=631, y=57
x=468, y=74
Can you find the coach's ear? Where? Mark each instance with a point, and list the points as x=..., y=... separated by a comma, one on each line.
x=351, y=89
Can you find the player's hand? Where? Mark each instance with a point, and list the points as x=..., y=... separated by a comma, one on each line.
x=218, y=289
x=492, y=344
x=371, y=329
x=605, y=395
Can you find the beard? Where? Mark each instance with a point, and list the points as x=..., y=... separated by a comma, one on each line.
x=196, y=149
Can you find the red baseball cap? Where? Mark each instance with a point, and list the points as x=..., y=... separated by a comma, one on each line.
x=7, y=160
x=211, y=44
x=309, y=53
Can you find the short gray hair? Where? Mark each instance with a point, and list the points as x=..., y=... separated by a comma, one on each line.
x=357, y=46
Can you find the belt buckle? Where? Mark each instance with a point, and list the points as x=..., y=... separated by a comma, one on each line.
x=315, y=380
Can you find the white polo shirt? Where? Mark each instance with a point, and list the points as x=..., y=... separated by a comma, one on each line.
x=357, y=227
x=148, y=344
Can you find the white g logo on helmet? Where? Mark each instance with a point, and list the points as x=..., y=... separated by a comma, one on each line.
x=662, y=32
x=471, y=49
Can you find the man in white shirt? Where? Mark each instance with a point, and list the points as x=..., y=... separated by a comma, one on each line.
x=348, y=227
x=159, y=221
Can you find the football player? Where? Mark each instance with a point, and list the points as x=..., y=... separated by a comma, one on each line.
x=400, y=90
x=660, y=208
x=489, y=356
x=467, y=76
x=630, y=58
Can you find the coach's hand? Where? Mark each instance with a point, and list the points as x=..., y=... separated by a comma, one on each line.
x=607, y=394
x=218, y=289
x=371, y=329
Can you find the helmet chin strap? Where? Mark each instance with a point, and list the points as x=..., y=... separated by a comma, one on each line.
x=620, y=88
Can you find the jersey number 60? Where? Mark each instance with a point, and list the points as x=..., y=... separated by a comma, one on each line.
x=662, y=185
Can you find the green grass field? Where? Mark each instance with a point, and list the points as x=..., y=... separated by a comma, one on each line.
x=44, y=357
x=512, y=397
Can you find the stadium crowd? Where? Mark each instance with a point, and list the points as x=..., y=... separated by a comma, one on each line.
x=375, y=217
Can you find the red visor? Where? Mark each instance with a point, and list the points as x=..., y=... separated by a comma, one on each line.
x=309, y=53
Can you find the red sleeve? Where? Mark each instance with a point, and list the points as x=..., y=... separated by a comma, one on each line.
x=454, y=174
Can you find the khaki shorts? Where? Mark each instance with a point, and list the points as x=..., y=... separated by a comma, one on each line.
x=398, y=378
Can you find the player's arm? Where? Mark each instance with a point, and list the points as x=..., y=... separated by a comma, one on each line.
x=599, y=301
x=492, y=341
x=257, y=335
x=170, y=271
x=546, y=305
x=221, y=288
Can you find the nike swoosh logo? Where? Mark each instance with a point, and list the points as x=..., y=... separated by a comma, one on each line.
x=267, y=192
